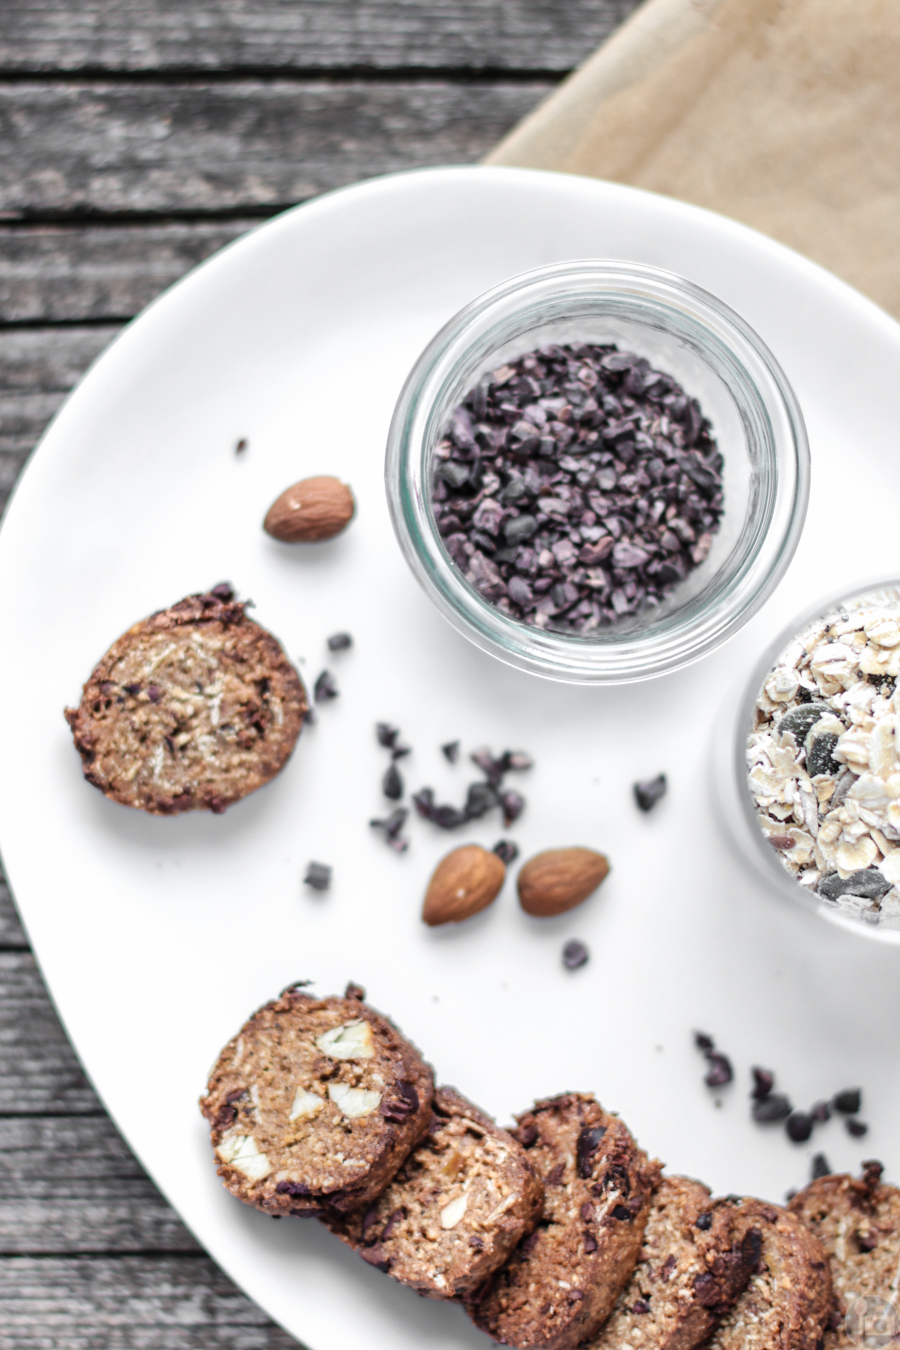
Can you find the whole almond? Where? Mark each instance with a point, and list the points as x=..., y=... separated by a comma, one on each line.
x=559, y=879
x=462, y=884
x=311, y=510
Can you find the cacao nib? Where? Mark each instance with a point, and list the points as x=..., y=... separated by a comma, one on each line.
x=720, y=1071
x=386, y=734
x=847, y=1102
x=339, y=642
x=392, y=783
x=856, y=1127
x=589, y=1141
x=318, y=876
x=506, y=851
x=325, y=687
x=799, y=1127
x=450, y=751
x=820, y=1167
x=575, y=954
x=392, y=826
x=771, y=1108
x=763, y=1082
x=649, y=792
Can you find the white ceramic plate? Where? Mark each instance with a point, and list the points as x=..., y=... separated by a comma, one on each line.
x=158, y=937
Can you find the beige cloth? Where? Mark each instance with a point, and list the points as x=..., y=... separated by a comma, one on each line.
x=784, y=114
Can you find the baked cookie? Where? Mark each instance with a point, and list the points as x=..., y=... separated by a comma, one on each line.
x=189, y=710
x=789, y=1300
x=563, y=1280
x=858, y=1223
x=455, y=1210
x=695, y=1261
x=315, y=1104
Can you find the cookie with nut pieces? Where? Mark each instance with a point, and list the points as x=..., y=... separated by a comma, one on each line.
x=453, y=1213
x=190, y=710
x=790, y=1299
x=695, y=1260
x=857, y=1220
x=562, y=1282
x=315, y=1104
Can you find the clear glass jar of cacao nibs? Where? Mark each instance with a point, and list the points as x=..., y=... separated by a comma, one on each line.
x=597, y=471
x=811, y=790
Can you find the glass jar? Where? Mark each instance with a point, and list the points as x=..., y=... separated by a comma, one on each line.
x=717, y=358
x=734, y=798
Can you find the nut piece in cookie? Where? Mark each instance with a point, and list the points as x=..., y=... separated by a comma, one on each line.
x=694, y=1263
x=561, y=1283
x=190, y=710
x=858, y=1223
x=315, y=1104
x=789, y=1300
x=455, y=1210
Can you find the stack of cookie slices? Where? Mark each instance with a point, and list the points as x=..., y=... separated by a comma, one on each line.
x=556, y=1234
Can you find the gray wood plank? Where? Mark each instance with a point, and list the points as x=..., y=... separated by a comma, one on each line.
x=53, y=273
x=12, y=934
x=199, y=147
x=137, y=35
x=39, y=1071
x=70, y=1184
x=128, y=1303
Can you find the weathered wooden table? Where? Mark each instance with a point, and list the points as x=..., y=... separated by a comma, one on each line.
x=136, y=137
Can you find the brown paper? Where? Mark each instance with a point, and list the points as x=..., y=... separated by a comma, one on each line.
x=784, y=114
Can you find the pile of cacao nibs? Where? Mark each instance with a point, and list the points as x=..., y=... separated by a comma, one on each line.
x=768, y=1107
x=577, y=485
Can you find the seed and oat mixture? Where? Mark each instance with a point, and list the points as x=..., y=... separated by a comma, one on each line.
x=577, y=485
x=824, y=760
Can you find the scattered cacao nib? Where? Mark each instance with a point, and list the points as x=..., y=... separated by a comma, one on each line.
x=450, y=751
x=555, y=1176
x=239, y=450
x=513, y=805
x=387, y=735
x=667, y=1267
x=480, y=798
x=720, y=1070
x=847, y=1102
x=799, y=1127
x=339, y=642
x=867, y=1241
x=856, y=1127
x=590, y=1243
x=224, y=591
x=763, y=1082
x=225, y=1116
x=397, y=1217
x=476, y=1242
x=527, y=1135
x=292, y=1188
x=398, y=751
x=703, y=1042
x=648, y=793
x=325, y=687
x=577, y=485
x=355, y=991
x=154, y=693
x=309, y=717
x=132, y=689
x=297, y=984
x=575, y=954
x=821, y=1112
x=392, y=783
x=318, y=876
x=392, y=827
x=820, y=1167
x=376, y=1256
x=640, y=1306
x=771, y=1108
x=622, y=1212
x=506, y=851
x=704, y=1221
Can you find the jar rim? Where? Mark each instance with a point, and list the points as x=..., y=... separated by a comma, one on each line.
x=679, y=309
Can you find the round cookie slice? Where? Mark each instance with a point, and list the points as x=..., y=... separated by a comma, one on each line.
x=857, y=1220
x=562, y=1281
x=789, y=1300
x=315, y=1104
x=695, y=1261
x=455, y=1210
x=190, y=710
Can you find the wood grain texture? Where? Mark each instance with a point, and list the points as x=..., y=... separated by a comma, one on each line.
x=128, y=1303
x=200, y=147
x=77, y=273
x=72, y=1185
x=39, y=1071
x=141, y=35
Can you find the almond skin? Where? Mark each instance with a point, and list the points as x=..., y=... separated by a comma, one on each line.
x=462, y=884
x=559, y=879
x=311, y=510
